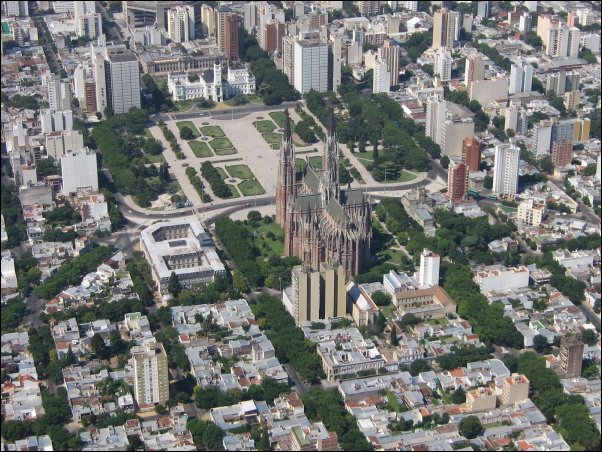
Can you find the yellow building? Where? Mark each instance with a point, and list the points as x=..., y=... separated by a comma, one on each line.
x=515, y=389
x=581, y=129
x=481, y=399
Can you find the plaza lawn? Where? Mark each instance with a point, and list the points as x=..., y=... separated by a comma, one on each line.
x=273, y=138
x=213, y=131
x=240, y=171
x=200, y=149
x=221, y=143
x=405, y=176
x=234, y=191
x=251, y=187
x=181, y=124
x=264, y=126
x=222, y=173
x=185, y=105
x=278, y=117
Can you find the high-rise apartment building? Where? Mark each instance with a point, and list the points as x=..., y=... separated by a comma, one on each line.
x=560, y=82
x=562, y=153
x=515, y=389
x=471, y=153
x=389, y=53
x=288, y=57
x=429, y=268
x=581, y=127
x=435, y=116
x=474, y=71
x=59, y=93
x=151, y=378
x=546, y=22
x=270, y=27
x=122, y=82
x=140, y=14
x=79, y=172
x=571, y=356
x=457, y=181
x=227, y=32
x=208, y=27
x=515, y=118
x=368, y=8
x=316, y=294
x=505, y=171
x=444, y=28
x=380, y=79
x=483, y=9
x=310, y=58
x=525, y=23
x=563, y=41
x=17, y=9
x=250, y=15
x=443, y=64
x=181, y=24
x=89, y=25
x=55, y=121
x=337, y=59
x=521, y=77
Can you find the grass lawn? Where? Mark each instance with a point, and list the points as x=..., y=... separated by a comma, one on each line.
x=251, y=187
x=222, y=173
x=389, y=312
x=316, y=161
x=235, y=193
x=200, y=149
x=255, y=99
x=213, y=131
x=268, y=246
x=225, y=151
x=278, y=117
x=395, y=254
x=148, y=134
x=185, y=104
x=273, y=138
x=221, y=143
x=181, y=124
x=264, y=126
x=155, y=158
x=240, y=171
x=404, y=177
x=299, y=164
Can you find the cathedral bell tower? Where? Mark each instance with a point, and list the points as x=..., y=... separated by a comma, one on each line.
x=285, y=187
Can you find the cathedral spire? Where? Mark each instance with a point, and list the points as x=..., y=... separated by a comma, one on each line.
x=287, y=127
x=330, y=158
x=331, y=125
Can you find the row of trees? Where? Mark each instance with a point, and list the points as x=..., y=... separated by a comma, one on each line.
x=173, y=142
x=13, y=216
x=288, y=340
x=218, y=186
x=211, y=396
x=328, y=407
x=569, y=412
x=71, y=273
x=197, y=183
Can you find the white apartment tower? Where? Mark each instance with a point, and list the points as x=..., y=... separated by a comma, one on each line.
x=151, y=378
x=89, y=25
x=505, y=171
x=475, y=70
x=79, y=171
x=429, y=268
x=520, y=78
x=180, y=23
x=435, y=117
x=59, y=93
x=443, y=64
x=380, y=79
x=310, y=58
x=16, y=9
x=123, y=82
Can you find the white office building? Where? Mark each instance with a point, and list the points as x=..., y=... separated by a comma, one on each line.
x=310, y=58
x=79, y=171
x=180, y=23
x=380, y=78
x=443, y=64
x=505, y=171
x=521, y=77
x=123, y=82
x=429, y=268
x=59, y=143
x=435, y=116
x=182, y=247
